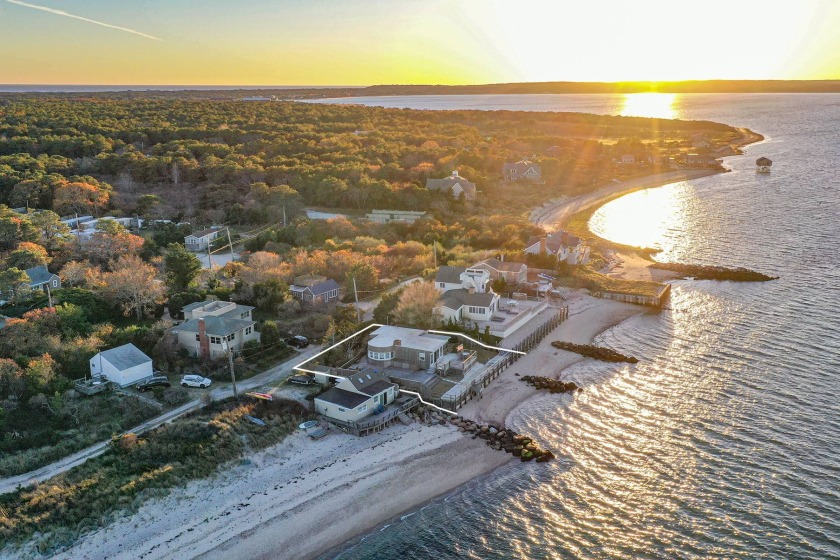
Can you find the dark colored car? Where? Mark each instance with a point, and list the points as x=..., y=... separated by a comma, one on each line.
x=297, y=341
x=152, y=382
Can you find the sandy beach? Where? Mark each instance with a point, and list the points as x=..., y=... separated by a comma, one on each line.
x=301, y=498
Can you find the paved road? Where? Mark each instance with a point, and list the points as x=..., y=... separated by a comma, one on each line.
x=274, y=376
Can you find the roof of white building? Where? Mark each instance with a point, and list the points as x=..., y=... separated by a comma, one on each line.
x=125, y=357
x=384, y=337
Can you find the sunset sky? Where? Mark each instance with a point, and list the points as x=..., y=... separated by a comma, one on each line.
x=363, y=42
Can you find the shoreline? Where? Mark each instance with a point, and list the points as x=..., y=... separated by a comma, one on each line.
x=303, y=499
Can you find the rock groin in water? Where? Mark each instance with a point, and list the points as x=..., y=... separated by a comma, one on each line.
x=596, y=352
x=704, y=272
x=502, y=439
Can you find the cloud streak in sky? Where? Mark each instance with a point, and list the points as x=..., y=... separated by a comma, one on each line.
x=93, y=21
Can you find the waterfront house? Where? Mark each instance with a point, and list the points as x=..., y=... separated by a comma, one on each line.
x=455, y=185
x=357, y=396
x=628, y=159
x=701, y=160
x=124, y=365
x=201, y=240
x=513, y=272
x=465, y=294
x=565, y=246
x=522, y=169
x=391, y=216
x=42, y=279
x=315, y=290
x=212, y=328
x=405, y=348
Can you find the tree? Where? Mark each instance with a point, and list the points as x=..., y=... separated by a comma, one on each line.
x=132, y=285
x=384, y=311
x=271, y=294
x=14, y=284
x=27, y=255
x=29, y=193
x=102, y=247
x=15, y=228
x=53, y=231
x=146, y=203
x=366, y=275
x=417, y=304
x=79, y=197
x=75, y=273
x=180, y=267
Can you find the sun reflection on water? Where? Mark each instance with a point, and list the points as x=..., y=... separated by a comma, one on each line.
x=655, y=105
x=646, y=218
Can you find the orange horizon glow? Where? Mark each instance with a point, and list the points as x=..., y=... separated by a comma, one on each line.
x=262, y=43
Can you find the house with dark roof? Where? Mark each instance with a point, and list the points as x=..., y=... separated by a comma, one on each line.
x=201, y=240
x=124, y=365
x=315, y=290
x=565, y=246
x=213, y=328
x=357, y=396
x=465, y=294
x=455, y=185
x=41, y=279
x=522, y=170
x=513, y=272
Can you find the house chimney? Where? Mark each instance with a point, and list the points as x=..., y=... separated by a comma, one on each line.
x=471, y=290
x=398, y=342
x=542, y=245
x=203, y=340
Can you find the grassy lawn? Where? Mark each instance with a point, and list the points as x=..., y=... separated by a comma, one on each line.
x=138, y=467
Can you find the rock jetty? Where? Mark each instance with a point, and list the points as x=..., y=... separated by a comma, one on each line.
x=703, y=272
x=506, y=440
x=596, y=352
x=551, y=385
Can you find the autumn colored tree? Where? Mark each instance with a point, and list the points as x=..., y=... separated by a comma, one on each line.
x=132, y=285
x=49, y=225
x=417, y=304
x=15, y=228
x=14, y=285
x=102, y=247
x=81, y=198
x=27, y=255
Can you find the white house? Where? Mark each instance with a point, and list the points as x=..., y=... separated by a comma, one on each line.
x=565, y=246
x=123, y=365
x=212, y=328
x=405, y=348
x=356, y=396
x=465, y=294
x=455, y=185
x=200, y=240
x=391, y=216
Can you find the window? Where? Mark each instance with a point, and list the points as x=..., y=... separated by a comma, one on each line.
x=379, y=356
x=363, y=407
x=422, y=357
x=477, y=310
x=198, y=337
x=441, y=284
x=245, y=315
x=247, y=330
x=215, y=340
x=341, y=409
x=55, y=283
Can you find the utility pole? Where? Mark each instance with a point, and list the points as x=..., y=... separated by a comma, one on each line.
x=434, y=250
x=209, y=258
x=230, y=243
x=284, y=215
x=49, y=293
x=356, y=293
x=232, y=374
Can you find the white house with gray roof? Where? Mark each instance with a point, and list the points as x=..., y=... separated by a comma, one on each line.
x=455, y=185
x=200, y=240
x=40, y=278
x=405, y=348
x=357, y=396
x=212, y=328
x=123, y=365
x=522, y=170
x=465, y=294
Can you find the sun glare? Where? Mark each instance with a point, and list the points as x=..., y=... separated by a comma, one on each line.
x=656, y=105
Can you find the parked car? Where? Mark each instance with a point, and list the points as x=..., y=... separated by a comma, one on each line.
x=297, y=341
x=195, y=381
x=302, y=379
x=152, y=382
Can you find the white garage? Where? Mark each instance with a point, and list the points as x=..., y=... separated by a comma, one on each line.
x=123, y=365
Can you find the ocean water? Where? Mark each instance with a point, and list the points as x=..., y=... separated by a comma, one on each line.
x=723, y=441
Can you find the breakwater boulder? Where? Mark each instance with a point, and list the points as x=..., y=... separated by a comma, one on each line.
x=550, y=385
x=503, y=439
x=704, y=272
x=596, y=352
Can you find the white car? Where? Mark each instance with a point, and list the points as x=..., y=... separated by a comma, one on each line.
x=195, y=381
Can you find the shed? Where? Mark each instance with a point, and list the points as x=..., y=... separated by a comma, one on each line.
x=123, y=365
